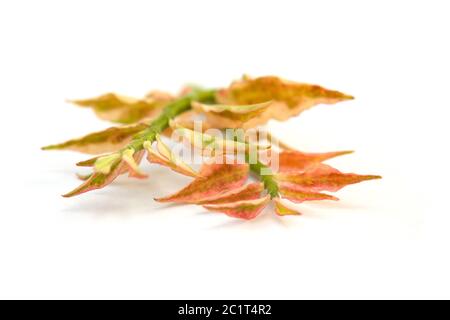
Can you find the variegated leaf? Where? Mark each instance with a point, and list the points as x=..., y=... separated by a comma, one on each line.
x=106, y=171
x=245, y=209
x=248, y=192
x=109, y=140
x=215, y=179
x=289, y=98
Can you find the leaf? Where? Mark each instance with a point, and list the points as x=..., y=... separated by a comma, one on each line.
x=230, y=116
x=289, y=98
x=282, y=210
x=106, y=163
x=128, y=156
x=215, y=179
x=246, y=209
x=95, y=181
x=212, y=145
x=230, y=111
x=154, y=157
x=297, y=194
x=109, y=168
x=89, y=162
x=298, y=161
x=122, y=109
x=322, y=177
x=109, y=140
x=83, y=177
x=248, y=192
x=167, y=158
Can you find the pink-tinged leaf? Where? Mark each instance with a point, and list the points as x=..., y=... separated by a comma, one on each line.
x=322, y=177
x=98, y=180
x=298, y=195
x=215, y=179
x=248, y=192
x=246, y=209
x=282, y=210
x=290, y=161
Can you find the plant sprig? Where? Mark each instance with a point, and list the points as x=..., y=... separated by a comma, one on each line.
x=221, y=187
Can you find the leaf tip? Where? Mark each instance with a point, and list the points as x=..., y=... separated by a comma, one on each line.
x=342, y=153
x=348, y=97
x=49, y=147
x=69, y=194
x=372, y=177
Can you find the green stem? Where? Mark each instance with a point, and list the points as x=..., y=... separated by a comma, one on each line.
x=170, y=111
x=267, y=178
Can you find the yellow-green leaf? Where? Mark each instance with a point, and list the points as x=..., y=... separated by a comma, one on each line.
x=166, y=158
x=122, y=109
x=230, y=116
x=109, y=140
x=213, y=145
x=289, y=98
x=282, y=210
x=128, y=156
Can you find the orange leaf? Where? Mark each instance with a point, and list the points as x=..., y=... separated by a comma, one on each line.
x=246, y=209
x=322, y=177
x=298, y=161
x=215, y=179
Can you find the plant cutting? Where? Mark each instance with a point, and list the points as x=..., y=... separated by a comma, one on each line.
x=243, y=167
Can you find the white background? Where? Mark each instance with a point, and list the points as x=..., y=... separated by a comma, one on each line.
x=384, y=239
